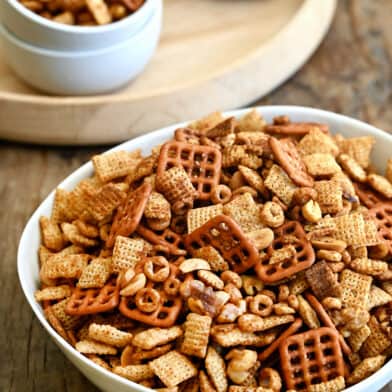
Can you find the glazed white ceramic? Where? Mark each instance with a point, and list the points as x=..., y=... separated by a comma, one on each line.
x=30, y=240
x=83, y=72
x=37, y=31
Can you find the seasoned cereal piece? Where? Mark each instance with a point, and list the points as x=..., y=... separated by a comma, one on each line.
x=322, y=281
x=236, y=155
x=177, y=188
x=243, y=209
x=352, y=167
x=367, y=266
x=236, y=337
x=67, y=321
x=222, y=129
x=355, y=288
x=207, y=122
x=278, y=182
x=378, y=297
x=358, y=337
x=157, y=207
x=102, y=202
x=358, y=148
x=252, y=121
x=317, y=141
x=205, y=383
x=252, y=178
x=109, y=335
x=134, y=373
x=173, y=368
x=299, y=284
x=52, y=237
x=69, y=266
x=53, y=293
x=366, y=368
x=214, y=258
x=329, y=196
x=72, y=234
x=216, y=369
x=116, y=164
x=96, y=273
x=152, y=337
x=196, y=217
x=335, y=385
x=92, y=347
x=350, y=228
x=307, y=313
x=196, y=336
x=127, y=252
x=254, y=323
x=380, y=184
x=321, y=165
x=377, y=342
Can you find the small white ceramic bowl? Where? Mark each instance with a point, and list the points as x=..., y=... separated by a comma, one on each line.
x=28, y=247
x=38, y=31
x=83, y=72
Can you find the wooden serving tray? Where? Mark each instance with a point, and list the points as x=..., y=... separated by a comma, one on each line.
x=213, y=55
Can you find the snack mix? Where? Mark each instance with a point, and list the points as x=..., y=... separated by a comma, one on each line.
x=83, y=12
x=239, y=256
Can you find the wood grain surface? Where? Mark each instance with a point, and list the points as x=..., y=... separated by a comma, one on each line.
x=206, y=53
x=351, y=73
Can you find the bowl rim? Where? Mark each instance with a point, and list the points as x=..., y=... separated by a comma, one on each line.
x=71, y=54
x=75, y=29
x=87, y=169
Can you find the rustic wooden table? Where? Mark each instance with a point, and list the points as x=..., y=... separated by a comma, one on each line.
x=351, y=73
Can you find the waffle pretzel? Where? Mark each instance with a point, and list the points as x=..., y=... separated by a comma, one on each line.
x=311, y=358
x=293, y=328
x=167, y=241
x=92, y=301
x=225, y=235
x=129, y=213
x=369, y=197
x=303, y=258
x=202, y=164
x=382, y=213
x=287, y=155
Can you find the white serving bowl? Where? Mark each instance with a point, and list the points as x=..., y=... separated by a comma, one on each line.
x=83, y=72
x=28, y=247
x=38, y=31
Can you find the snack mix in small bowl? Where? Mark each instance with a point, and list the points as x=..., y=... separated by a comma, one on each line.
x=239, y=256
x=83, y=12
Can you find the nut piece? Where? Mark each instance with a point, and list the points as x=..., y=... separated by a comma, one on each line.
x=191, y=265
x=311, y=211
x=261, y=238
x=136, y=284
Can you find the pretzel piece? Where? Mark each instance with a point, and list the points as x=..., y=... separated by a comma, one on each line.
x=201, y=163
x=287, y=155
x=129, y=213
x=310, y=358
x=91, y=301
x=226, y=236
x=303, y=257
